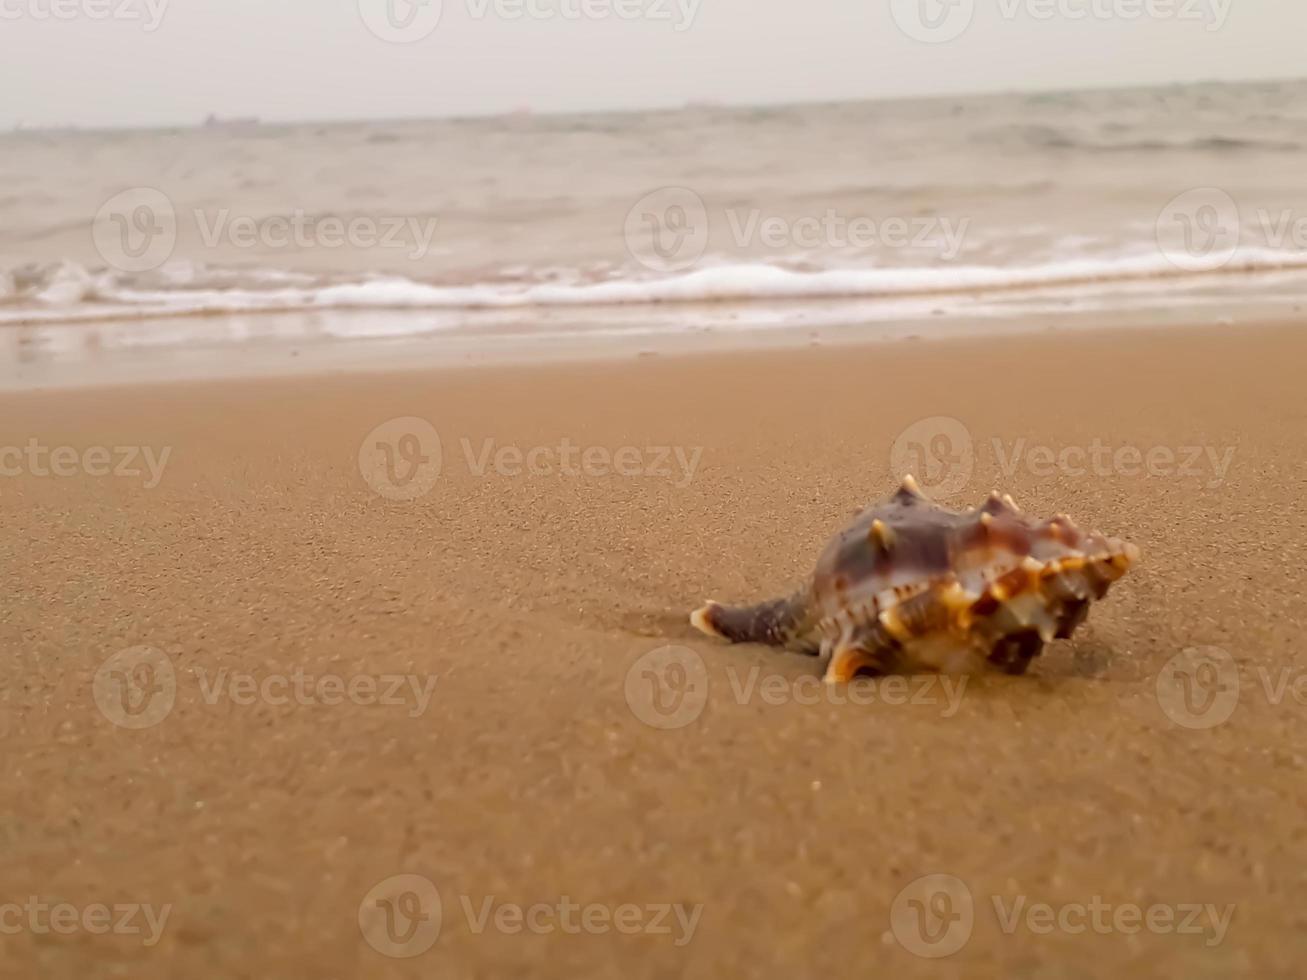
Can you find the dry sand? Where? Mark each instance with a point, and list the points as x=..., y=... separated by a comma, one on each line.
x=530, y=775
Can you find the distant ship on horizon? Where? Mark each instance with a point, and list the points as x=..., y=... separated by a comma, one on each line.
x=214, y=121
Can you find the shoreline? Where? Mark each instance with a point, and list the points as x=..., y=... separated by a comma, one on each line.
x=84, y=356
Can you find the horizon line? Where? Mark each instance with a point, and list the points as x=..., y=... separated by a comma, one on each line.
x=215, y=120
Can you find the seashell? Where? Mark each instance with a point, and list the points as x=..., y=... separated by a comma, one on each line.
x=912, y=586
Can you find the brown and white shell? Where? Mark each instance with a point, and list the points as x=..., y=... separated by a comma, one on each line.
x=913, y=586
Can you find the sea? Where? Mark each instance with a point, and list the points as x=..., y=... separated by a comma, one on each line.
x=908, y=215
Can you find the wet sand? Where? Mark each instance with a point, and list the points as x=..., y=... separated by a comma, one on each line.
x=517, y=762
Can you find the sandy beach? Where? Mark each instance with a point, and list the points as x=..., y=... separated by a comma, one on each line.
x=498, y=723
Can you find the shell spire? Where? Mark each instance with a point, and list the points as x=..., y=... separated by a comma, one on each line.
x=881, y=536
x=997, y=504
x=909, y=491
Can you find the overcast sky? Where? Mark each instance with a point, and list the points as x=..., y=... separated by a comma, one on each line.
x=174, y=61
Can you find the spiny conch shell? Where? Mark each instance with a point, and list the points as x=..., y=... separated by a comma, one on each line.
x=912, y=586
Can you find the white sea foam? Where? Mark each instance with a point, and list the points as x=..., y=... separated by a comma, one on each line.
x=67, y=293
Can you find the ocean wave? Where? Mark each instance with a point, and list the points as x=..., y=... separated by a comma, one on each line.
x=68, y=292
x=1051, y=137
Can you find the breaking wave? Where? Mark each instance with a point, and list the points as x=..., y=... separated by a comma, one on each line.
x=66, y=292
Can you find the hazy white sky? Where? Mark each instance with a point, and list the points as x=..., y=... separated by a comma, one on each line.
x=133, y=62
